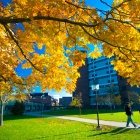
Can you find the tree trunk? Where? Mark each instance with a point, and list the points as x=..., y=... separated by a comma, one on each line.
x=80, y=110
x=111, y=109
x=1, y=113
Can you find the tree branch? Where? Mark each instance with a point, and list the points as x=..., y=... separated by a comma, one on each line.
x=106, y=41
x=20, y=48
x=3, y=78
x=4, y=20
x=105, y=3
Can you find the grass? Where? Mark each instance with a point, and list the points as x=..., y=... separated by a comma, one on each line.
x=33, y=128
x=103, y=115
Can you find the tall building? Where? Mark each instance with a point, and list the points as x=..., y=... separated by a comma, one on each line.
x=101, y=69
x=83, y=85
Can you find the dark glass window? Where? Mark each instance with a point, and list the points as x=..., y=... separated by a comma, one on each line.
x=111, y=71
x=112, y=80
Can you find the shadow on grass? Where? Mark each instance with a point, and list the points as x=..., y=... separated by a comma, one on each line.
x=113, y=132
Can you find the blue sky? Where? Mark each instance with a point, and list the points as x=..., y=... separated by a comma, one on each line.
x=95, y=3
x=98, y=4
x=25, y=72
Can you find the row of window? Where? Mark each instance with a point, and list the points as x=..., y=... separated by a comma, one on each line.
x=110, y=81
x=111, y=71
x=92, y=67
x=107, y=63
x=105, y=86
x=94, y=75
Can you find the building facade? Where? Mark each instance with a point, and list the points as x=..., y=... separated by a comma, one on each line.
x=124, y=87
x=41, y=98
x=34, y=102
x=65, y=101
x=83, y=85
x=101, y=70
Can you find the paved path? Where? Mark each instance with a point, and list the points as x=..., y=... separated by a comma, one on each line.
x=93, y=121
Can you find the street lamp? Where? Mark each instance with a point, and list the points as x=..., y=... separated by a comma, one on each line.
x=42, y=106
x=95, y=87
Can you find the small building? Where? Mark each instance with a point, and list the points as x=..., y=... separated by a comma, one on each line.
x=40, y=98
x=34, y=102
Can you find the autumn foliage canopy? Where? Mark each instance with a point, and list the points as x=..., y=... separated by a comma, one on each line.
x=65, y=27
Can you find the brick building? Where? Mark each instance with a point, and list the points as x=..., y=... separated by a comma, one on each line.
x=83, y=86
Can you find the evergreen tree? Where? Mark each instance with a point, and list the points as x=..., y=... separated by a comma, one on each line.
x=18, y=108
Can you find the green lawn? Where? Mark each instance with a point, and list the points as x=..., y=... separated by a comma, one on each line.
x=31, y=128
x=103, y=115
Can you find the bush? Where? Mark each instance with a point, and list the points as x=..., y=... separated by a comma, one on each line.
x=18, y=108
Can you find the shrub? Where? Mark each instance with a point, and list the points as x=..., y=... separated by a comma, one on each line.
x=18, y=108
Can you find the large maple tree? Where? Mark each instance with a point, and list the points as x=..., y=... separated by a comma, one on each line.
x=64, y=26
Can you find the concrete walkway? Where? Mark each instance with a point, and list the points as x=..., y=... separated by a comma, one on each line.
x=93, y=121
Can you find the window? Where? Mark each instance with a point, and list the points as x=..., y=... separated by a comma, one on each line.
x=108, y=81
x=92, y=75
x=107, y=72
x=94, y=66
x=74, y=94
x=91, y=67
x=111, y=71
x=95, y=74
x=112, y=80
x=107, y=63
x=94, y=92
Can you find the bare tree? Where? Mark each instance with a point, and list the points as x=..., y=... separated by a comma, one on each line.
x=134, y=97
x=110, y=95
x=117, y=100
